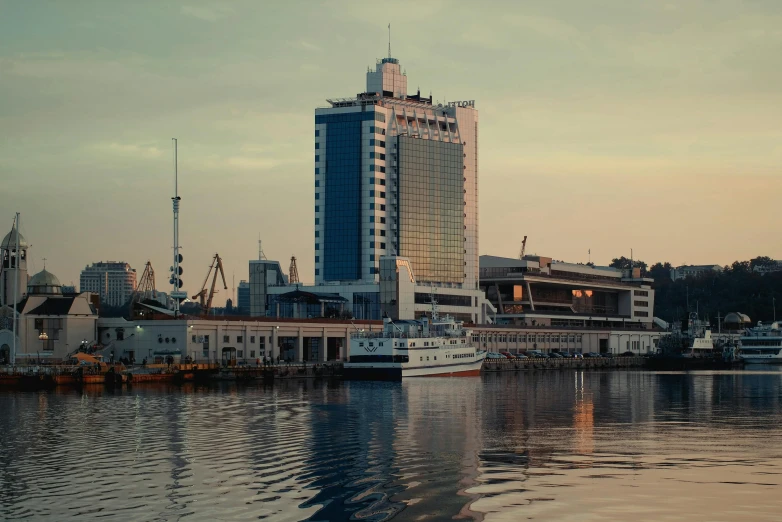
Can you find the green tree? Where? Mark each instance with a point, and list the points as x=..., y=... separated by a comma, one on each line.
x=625, y=263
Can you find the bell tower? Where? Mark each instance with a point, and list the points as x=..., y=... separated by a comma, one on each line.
x=14, y=265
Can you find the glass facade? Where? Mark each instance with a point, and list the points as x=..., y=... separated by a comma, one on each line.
x=342, y=191
x=431, y=208
x=366, y=305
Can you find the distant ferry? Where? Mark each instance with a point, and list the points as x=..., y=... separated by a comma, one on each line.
x=762, y=345
x=440, y=347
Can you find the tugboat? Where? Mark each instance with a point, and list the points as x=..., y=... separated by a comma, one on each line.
x=692, y=350
x=420, y=348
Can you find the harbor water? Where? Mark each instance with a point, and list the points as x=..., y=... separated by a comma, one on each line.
x=559, y=445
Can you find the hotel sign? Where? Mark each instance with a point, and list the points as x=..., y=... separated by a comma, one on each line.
x=464, y=103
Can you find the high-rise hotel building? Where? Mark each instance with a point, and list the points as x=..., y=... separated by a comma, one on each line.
x=396, y=175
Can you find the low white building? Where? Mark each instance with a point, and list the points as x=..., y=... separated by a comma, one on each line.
x=774, y=266
x=685, y=271
x=226, y=339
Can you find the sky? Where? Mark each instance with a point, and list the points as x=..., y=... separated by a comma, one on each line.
x=607, y=125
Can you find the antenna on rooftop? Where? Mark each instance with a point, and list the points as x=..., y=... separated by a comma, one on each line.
x=261, y=255
x=389, y=40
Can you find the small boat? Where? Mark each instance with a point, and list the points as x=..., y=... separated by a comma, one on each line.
x=762, y=344
x=419, y=348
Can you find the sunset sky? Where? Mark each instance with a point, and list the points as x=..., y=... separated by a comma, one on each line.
x=604, y=125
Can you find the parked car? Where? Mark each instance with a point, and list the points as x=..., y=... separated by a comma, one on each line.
x=507, y=355
x=591, y=354
x=628, y=353
x=494, y=355
x=578, y=356
x=555, y=355
x=566, y=355
x=521, y=356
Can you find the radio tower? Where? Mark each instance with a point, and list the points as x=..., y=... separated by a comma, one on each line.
x=293, y=272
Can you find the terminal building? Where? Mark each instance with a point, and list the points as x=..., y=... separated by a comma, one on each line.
x=539, y=291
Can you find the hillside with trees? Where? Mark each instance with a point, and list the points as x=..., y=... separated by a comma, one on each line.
x=738, y=288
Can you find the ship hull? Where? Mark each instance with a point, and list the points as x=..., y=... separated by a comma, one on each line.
x=398, y=371
x=761, y=359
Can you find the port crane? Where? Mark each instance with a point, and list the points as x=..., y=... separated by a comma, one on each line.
x=293, y=272
x=145, y=288
x=523, y=247
x=205, y=297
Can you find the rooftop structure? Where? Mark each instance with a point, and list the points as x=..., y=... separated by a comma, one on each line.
x=538, y=291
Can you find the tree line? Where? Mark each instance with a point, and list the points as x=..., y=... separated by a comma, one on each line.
x=737, y=288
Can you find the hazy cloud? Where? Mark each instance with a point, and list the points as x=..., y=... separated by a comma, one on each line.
x=210, y=13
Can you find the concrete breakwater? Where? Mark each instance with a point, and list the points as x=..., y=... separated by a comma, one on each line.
x=506, y=365
x=52, y=377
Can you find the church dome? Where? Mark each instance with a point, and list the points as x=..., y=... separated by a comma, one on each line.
x=44, y=283
x=9, y=241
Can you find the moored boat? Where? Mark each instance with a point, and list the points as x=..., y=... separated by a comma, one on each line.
x=762, y=344
x=419, y=348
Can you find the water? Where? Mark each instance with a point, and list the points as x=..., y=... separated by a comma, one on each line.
x=565, y=445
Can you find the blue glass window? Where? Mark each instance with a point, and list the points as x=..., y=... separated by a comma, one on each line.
x=317, y=208
x=371, y=206
x=382, y=207
x=382, y=245
x=371, y=231
x=317, y=233
x=317, y=158
x=317, y=133
x=317, y=246
x=317, y=195
x=317, y=144
x=371, y=155
x=382, y=194
x=372, y=129
x=371, y=245
x=372, y=142
x=371, y=257
x=371, y=219
x=317, y=271
x=317, y=259
x=317, y=183
x=342, y=189
x=317, y=170
x=317, y=221
x=371, y=181
x=372, y=167
x=371, y=193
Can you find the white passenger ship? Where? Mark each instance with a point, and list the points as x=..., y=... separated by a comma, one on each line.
x=762, y=345
x=440, y=347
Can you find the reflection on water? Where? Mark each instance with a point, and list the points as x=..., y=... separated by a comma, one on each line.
x=546, y=446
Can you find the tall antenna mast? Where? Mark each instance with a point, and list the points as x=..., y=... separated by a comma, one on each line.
x=261, y=255
x=389, y=40
x=176, y=270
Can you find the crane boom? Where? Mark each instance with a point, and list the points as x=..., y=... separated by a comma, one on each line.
x=523, y=247
x=204, y=300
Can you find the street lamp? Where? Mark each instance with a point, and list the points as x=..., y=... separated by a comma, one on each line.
x=43, y=336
